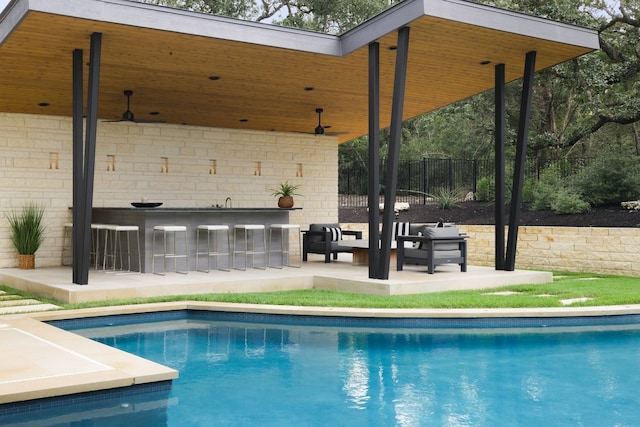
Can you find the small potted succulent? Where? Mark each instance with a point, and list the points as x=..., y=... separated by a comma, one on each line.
x=27, y=232
x=285, y=193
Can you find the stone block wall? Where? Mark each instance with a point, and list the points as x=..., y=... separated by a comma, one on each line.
x=588, y=249
x=36, y=165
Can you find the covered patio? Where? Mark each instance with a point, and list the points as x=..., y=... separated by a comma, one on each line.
x=207, y=91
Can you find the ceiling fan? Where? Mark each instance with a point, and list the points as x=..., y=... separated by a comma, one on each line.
x=128, y=116
x=321, y=130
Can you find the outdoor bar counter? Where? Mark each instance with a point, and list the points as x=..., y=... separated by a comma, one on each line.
x=147, y=218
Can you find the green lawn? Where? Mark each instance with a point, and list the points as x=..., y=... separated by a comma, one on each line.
x=601, y=289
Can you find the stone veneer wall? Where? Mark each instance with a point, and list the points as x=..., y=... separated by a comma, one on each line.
x=589, y=249
x=28, y=142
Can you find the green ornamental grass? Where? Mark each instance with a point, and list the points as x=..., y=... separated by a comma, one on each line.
x=27, y=228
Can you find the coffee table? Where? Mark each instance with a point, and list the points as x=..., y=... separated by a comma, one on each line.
x=361, y=251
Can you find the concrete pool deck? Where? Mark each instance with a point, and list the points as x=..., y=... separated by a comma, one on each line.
x=44, y=361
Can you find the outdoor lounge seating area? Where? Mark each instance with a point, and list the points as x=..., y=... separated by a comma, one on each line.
x=429, y=244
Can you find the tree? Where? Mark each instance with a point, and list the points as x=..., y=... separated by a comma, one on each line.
x=328, y=16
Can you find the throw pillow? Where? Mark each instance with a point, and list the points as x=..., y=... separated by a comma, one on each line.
x=399, y=229
x=336, y=233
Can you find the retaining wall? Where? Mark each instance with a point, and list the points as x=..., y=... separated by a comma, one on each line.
x=590, y=249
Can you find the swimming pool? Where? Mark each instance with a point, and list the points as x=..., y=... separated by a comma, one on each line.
x=272, y=370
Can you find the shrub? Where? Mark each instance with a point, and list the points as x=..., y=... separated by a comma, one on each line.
x=545, y=190
x=553, y=192
x=484, y=190
x=543, y=195
x=567, y=202
x=528, y=190
x=612, y=178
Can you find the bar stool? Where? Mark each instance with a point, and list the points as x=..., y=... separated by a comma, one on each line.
x=168, y=231
x=67, y=244
x=213, y=251
x=96, y=230
x=284, y=230
x=112, y=235
x=249, y=231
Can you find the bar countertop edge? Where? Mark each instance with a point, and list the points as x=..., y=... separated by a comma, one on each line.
x=212, y=209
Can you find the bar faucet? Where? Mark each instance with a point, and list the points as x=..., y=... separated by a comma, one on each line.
x=228, y=199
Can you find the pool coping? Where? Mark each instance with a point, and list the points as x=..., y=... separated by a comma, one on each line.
x=42, y=378
x=42, y=361
x=337, y=311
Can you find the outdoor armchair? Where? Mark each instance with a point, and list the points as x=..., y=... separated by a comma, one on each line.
x=435, y=246
x=325, y=239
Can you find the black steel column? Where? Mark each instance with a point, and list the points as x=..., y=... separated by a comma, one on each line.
x=78, y=219
x=391, y=181
x=499, y=164
x=374, y=160
x=84, y=198
x=521, y=152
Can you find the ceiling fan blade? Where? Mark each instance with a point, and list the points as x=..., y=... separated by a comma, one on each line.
x=150, y=121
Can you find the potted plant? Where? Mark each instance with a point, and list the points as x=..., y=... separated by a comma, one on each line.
x=285, y=192
x=27, y=233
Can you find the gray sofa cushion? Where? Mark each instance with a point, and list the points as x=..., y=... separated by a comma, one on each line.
x=438, y=254
x=438, y=232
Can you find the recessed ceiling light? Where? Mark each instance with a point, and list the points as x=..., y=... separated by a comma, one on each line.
x=308, y=88
x=214, y=77
x=43, y=104
x=485, y=62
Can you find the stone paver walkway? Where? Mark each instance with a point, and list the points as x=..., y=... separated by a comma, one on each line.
x=11, y=304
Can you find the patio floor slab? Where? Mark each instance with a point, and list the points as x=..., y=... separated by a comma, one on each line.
x=56, y=282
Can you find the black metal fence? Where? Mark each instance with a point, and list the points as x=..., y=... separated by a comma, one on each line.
x=420, y=180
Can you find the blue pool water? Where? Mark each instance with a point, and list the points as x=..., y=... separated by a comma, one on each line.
x=246, y=373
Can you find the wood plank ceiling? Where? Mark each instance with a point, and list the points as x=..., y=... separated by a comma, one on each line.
x=257, y=86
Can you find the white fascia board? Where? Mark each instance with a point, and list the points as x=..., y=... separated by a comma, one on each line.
x=468, y=13
x=382, y=24
x=512, y=22
x=10, y=18
x=190, y=23
x=212, y=26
